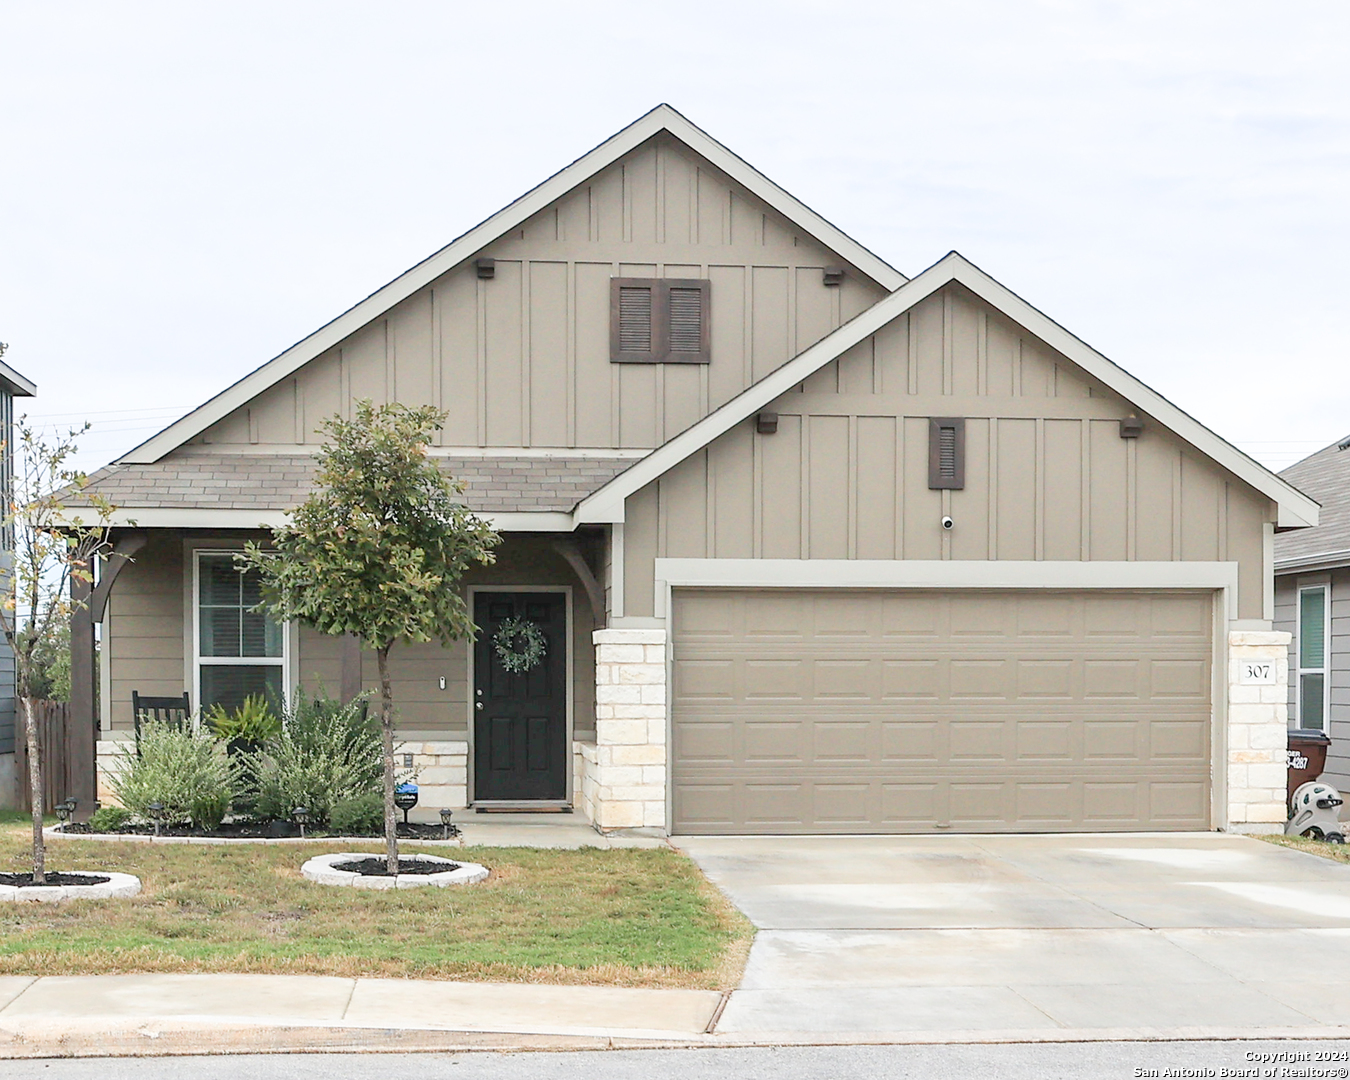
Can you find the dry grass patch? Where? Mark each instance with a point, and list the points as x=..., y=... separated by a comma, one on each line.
x=626, y=917
x=1335, y=852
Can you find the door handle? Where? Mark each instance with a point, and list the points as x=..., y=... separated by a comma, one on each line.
x=478, y=705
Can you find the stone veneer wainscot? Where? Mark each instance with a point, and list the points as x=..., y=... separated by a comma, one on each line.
x=1258, y=722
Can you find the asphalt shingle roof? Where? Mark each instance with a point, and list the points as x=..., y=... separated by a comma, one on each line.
x=281, y=481
x=1325, y=476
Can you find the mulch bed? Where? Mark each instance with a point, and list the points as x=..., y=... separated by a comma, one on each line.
x=379, y=868
x=269, y=830
x=54, y=878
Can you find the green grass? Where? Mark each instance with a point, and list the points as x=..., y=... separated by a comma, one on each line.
x=630, y=917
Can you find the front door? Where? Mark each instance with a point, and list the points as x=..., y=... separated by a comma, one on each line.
x=520, y=697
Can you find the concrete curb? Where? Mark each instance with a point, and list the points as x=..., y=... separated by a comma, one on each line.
x=323, y=870
x=180, y=1037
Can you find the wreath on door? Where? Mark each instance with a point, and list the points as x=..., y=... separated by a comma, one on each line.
x=519, y=644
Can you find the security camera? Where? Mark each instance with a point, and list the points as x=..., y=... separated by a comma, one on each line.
x=947, y=522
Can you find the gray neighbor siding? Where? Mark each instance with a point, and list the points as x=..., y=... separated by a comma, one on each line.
x=1338, y=646
x=7, y=731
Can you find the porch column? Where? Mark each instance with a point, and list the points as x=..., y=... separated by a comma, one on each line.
x=625, y=785
x=1258, y=721
x=82, y=732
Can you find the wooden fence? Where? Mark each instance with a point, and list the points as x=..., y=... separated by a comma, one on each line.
x=53, y=721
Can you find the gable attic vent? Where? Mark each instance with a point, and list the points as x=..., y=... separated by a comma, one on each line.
x=947, y=453
x=659, y=321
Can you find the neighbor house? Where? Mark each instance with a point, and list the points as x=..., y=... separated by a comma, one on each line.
x=811, y=546
x=1312, y=603
x=12, y=385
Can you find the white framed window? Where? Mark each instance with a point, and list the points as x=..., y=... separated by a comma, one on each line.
x=236, y=651
x=1313, y=621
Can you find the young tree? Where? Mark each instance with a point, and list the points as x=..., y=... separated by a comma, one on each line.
x=57, y=530
x=377, y=550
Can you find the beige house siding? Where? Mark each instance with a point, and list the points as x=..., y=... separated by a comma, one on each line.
x=143, y=638
x=1048, y=476
x=147, y=635
x=522, y=360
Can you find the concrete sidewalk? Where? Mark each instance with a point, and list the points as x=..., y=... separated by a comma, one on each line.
x=238, y=1013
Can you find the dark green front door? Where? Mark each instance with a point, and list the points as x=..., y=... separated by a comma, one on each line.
x=520, y=717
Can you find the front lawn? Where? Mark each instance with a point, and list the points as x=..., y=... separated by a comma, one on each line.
x=627, y=917
x=1335, y=852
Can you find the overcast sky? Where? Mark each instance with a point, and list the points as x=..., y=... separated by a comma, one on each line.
x=189, y=188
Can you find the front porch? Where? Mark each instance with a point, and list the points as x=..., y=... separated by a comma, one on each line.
x=584, y=729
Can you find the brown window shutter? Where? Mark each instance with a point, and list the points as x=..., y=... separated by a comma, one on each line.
x=686, y=322
x=947, y=452
x=658, y=320
x=633, y=320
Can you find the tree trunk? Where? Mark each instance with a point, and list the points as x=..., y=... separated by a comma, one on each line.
x=387, y=730
x=30, y=731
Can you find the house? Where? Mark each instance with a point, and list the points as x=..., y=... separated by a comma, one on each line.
x=12, y=385
x=812, y=546
x=1312, y=600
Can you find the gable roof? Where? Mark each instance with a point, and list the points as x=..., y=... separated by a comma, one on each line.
x=1295, y=509
x=1325, y=476
x=663, y=118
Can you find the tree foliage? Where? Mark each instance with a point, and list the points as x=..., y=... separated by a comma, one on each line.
x=378, y=549
x=57, y=530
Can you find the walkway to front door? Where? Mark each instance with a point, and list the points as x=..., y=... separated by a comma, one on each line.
x=520, y=717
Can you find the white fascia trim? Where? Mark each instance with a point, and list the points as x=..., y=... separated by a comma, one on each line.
x=662, y=118
x=20, y=386
x=196, y=518
x=606, y=504
x=937, y=574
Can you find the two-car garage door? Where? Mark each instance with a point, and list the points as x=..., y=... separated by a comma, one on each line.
x=855, y=711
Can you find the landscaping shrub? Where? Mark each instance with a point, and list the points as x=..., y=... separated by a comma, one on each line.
x=188, y=772
x=326, y=753
x=249, y=727
x=109, y=819
x=361, y=816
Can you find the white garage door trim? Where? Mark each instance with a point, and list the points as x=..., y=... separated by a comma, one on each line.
x=1221, y=577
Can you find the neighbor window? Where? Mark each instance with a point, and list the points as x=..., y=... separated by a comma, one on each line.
x=239, y=651
x=659, y=321
x=1312, y=657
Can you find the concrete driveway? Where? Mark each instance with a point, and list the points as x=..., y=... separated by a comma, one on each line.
x=1035, y=936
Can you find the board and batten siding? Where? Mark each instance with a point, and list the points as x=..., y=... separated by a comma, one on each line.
x=143, y=637
x=1048, y=476
x=1337, y=772
x=523, y=359
x=148, y=627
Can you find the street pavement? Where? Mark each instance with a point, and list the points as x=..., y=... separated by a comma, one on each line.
x=1022, y=936
x=1033, y=1061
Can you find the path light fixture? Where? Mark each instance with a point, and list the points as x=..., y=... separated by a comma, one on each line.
x=156, y=814
x=64, y=810
x=405, y=798
x=301, y=815
x=445, y=824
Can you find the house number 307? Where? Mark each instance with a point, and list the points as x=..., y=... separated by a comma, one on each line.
x=1257, y=673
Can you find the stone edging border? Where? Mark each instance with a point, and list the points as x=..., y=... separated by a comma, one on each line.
x=320, y=869
x=116, y=885
x=53, y=832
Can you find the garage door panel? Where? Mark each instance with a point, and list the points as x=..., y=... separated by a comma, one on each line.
x=1179, y=679
x=908, y=712
x=842, y=804
x=910, y=680
x=1040, y=740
